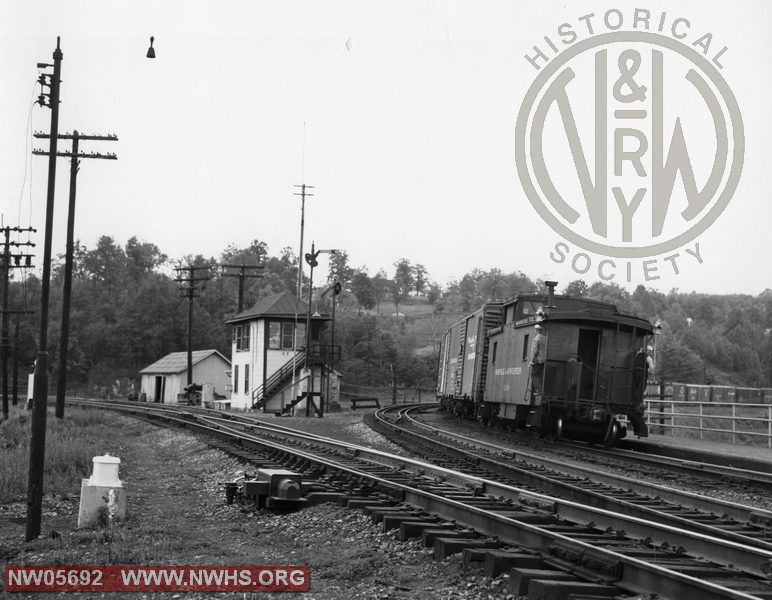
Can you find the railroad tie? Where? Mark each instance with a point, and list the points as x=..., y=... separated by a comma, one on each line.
x=429, y=535
x=447, y=546
x=497, y=562
x=413, y=529
x=315, y=498
x=552, y=589
x=395, y=521
x=520, y=579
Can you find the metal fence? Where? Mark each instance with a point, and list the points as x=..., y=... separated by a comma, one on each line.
x=388, y=395
x=748, y=423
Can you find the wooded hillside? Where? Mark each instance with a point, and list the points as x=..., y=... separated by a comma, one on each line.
x=127, y=312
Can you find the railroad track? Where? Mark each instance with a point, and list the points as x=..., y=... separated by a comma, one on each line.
x=613, y=492
x=652, y=461
x=603, y=552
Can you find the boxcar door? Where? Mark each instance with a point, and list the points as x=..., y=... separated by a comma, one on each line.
x=588, y=352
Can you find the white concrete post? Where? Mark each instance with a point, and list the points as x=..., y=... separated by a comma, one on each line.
x=102, y=490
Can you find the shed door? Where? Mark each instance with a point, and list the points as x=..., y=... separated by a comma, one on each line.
x=158, y=395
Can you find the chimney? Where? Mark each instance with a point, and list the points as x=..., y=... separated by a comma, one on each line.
x=550, y=295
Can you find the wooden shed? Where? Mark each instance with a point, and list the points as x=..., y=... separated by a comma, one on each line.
x=166, y=378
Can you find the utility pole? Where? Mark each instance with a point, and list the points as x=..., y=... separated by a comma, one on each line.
x=16, y=361
x=243, y=273
x=16, y=313
x=74, y=156
x=190, y=286
x=303, y=194
x=37, y=450
x=7, y=266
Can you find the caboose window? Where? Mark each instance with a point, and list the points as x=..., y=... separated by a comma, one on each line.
x=493, y=353
x=525, y=347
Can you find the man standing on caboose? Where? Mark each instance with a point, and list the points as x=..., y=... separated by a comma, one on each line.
x=538, y=357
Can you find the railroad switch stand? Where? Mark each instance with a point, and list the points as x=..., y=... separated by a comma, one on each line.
x=274, y=489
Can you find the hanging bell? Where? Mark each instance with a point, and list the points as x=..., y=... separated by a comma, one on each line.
x=151, y=50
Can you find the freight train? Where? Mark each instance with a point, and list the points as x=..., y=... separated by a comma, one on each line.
x=592, y=368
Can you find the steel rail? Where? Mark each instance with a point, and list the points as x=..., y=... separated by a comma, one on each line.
x=692, y=500
x=636, y=576
x=760, y=479
x=754, y=556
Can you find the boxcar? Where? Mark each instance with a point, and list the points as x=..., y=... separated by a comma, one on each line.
x=463, y=353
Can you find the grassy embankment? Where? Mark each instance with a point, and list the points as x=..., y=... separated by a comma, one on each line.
x=71, y=444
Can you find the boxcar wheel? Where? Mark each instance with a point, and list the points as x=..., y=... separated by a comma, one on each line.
x=557, y=430
x=552, y=426
x=612, y=434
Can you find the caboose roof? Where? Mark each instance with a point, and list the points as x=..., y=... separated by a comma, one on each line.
x=596, y=316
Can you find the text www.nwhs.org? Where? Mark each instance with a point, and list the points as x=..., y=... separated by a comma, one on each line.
x=157, y=579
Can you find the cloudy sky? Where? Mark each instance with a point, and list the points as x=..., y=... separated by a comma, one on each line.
x=401, y=115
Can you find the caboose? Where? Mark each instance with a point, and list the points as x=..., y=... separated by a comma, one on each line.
x=594, y=367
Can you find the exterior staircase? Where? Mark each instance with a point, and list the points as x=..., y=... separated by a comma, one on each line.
x=280, y=377
x=288, y=409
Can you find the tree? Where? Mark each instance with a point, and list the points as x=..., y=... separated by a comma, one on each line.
x=254, y=254
x=434, y=293
x=610, y=292
x=142, y=258
x=363, y=290
x=490, y=285
x=402, y=283
x=338, y=268
x=380, y=285
x=675, y=361
x=470, y=300
x=106, y=264
x=578, y=287
x=420, y=275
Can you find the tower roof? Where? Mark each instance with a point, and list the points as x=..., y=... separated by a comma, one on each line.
x=283, y=304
